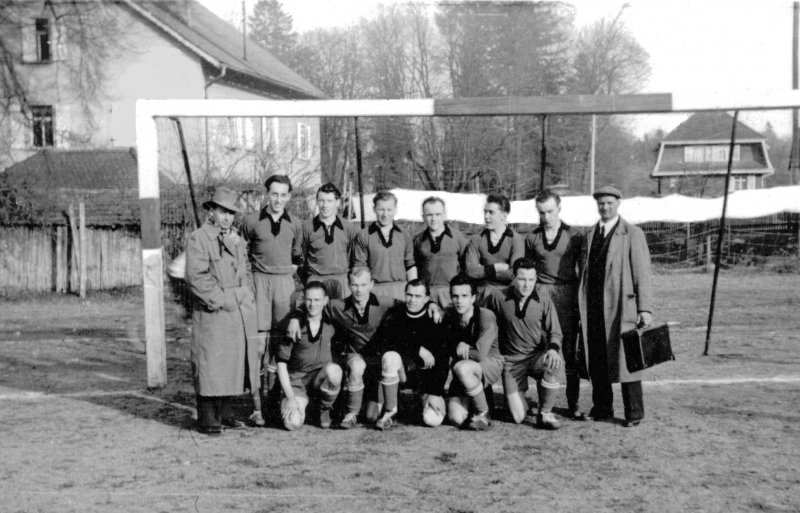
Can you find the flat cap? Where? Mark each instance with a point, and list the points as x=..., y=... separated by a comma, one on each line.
x=607, y=191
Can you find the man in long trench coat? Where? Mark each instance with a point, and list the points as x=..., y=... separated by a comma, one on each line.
x=615, y=296
x=224, y=328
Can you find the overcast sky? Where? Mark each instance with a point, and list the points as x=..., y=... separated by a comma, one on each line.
x=694, y=45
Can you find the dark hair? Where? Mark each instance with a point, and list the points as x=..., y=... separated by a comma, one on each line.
x=384, y=196
x=330, y=188
x=316, y=285
x=358, y=271
x=433, y=199
x=463, y=279
x=278, y=179
x=546, y=194
x=501, y=201
x=523, y=263
x=419, y=282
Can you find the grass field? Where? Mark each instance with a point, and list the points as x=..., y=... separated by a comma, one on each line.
x=81, y=433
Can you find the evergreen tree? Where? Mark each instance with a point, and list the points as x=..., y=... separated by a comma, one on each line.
x=272, y=28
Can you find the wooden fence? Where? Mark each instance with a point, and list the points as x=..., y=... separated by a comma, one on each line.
x=45, y=259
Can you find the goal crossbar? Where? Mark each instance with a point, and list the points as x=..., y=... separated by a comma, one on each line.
x=147, y=151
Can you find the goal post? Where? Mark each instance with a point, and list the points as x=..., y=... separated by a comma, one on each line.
x=147, y=111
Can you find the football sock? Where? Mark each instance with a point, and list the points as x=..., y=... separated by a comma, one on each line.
x=548, y=393
x=390, y=386
x=478, y=399
x=355, y=397
x=328, y=395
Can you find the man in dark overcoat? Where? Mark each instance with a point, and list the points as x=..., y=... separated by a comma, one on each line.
x=224, y=327
x=615, y=296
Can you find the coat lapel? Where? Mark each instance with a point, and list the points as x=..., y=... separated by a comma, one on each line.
x=615, y=243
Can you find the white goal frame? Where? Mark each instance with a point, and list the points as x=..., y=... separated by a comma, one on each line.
x=147, y=152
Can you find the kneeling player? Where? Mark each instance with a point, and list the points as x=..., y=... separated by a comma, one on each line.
x=530, y=339
x=477, y=360
x=305, y=366
x=412, y=348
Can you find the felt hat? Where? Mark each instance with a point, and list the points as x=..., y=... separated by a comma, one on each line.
x=225, y=198
x=607, y=191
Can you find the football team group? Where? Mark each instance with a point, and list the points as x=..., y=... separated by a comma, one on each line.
x=438, y=313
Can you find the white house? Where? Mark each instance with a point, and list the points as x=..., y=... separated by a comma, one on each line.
x=154, y=50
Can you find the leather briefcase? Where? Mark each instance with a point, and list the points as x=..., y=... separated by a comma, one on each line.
x=646, y=347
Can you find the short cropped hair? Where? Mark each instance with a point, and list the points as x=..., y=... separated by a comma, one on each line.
x=384, y=196
x=330, y=188
x=433, y=199
x=463, y=279
x=500, y=201
x=546, y=194
x=419, y=282
x=278, y=179
x=523, y=263
x=316, y=285
x=358, y=271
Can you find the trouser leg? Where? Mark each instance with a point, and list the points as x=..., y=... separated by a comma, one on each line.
x=573, y=390
x=208, y=411
x=633, y=400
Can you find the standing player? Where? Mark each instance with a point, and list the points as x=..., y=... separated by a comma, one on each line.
x=386, y=249
x=492, y=252
x=274, y=239
x=305, y=367
x=556, y=249
x=412, y=347
x=438, y=251
x=477, y=362
x=327, y=241
x=529, y=342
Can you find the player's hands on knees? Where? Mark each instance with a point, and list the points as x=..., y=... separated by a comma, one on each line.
x=644, y=319
x=462, y=350
x=427, y=357
x=289, y=406
x=435, y=312
x=293, y=331
x=553, y=360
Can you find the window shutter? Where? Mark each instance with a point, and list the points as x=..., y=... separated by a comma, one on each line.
x=266, y=135
x=751, y=182
x=276, y=135
x=59, y=34
x=28, y=40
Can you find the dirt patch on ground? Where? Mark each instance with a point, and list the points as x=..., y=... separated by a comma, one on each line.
x=81, y=432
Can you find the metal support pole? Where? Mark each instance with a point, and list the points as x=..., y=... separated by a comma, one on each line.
x=721, y=233
x=360, y=181
x=543, y=164
x=188, y=171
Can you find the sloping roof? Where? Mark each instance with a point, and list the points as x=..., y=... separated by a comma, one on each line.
x=711, y=126
x=113, y=168
x=106, y=180
x=219, y=40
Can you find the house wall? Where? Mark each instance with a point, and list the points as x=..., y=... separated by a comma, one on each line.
x=143, y=62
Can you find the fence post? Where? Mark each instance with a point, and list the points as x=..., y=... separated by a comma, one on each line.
x=83, y=249
x=708, y=251
x=73, y=228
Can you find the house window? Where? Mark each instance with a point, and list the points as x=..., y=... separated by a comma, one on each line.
x=715, y=153
x=738, y=183
x=43, y=39
x=42, y=125
x=269, y=134
x=303, y=141
x=693, y=153
x=249, y=133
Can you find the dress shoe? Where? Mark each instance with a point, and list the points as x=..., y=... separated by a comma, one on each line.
x=600, y=415
x=232, y=424
x=577, y=415
x=209, y=430
x=632, y=423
